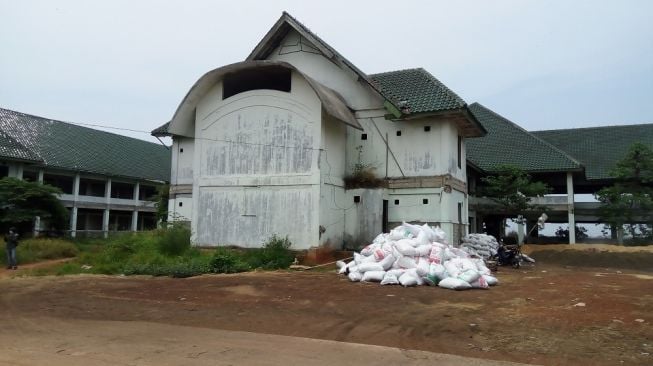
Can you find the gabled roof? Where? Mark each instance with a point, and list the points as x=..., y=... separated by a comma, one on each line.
x=417, y=91
x=598, y=148
x=67, y=146
x=394, y=87
x=508, y=144
x=280, y=30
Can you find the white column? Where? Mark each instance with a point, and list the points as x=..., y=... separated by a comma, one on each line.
x=73, y=216
x=107, y=210
x=37, y=226
x=19, y=171
x=137, y=188
x=570, y=208
x=41, y=173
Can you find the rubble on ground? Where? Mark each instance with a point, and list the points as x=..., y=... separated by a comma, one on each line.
x=413, y=255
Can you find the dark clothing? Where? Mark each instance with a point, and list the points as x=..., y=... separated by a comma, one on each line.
x=11, y=242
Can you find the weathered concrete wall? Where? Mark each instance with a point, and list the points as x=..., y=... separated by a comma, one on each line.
x=414, y=153
x=364, y=220
x=256, y=167
x=332, y=193
x=181, y=169
x=248, y=216
x=180, y=208
x=357, y=94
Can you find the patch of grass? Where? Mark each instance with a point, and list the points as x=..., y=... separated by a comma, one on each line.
x=39, y=249
x=275, y=254
x=227, y=261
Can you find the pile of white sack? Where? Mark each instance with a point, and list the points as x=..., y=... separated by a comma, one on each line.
x=480, y=245
x=413, y=255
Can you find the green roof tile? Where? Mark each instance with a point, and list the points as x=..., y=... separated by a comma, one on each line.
x=598, y=148
x=508, y=144
x=67, y=146
x=417, y=91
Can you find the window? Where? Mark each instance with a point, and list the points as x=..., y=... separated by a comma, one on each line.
x=398, y=133
x=271, y=78
x=357, y=199
x=181, y=204
x=364, y=136
x=425, y=201
x=396, y=202
x=460, y=152
x=181, y=150
x=427, y=128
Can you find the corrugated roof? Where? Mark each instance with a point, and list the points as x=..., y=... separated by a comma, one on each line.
x=598, y=148
x=67, y=146
x=417, y=91
x=508, y=144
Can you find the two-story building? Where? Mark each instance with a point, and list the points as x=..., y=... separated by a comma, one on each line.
x=108, y=181
x=266, y=145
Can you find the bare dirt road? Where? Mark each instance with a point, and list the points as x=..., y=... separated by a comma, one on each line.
x=535, y=316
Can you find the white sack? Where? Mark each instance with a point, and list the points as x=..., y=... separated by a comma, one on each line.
x=491, y=280
x=389, y=279
x=407, y=279
x=373, y=276
x=406, y=262
x=469, y=275
x=454, y=284
x=355, y=276
x=365, y=267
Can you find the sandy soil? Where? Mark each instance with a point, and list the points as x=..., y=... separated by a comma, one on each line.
x=534, y=316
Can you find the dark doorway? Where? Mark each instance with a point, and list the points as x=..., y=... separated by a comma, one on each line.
x=384, y=225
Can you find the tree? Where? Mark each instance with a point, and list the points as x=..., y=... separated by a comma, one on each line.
x=512, y=188
x=21, y=201
x=161, y=198
x=563, y=233
x=628, y=203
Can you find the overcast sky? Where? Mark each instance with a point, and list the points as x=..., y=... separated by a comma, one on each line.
x=542, y=64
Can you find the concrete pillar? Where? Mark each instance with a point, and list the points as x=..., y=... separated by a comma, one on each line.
x=135, y=220
x=19, y=171
x=570, y=208
x=107, y=210
x=521, y=230
x=73, y=216
x=137, y=188
x=41, y=173
x=73, y=222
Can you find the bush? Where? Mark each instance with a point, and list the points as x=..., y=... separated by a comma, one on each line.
x=226, y=261
x=174, y=240
x=275, y=254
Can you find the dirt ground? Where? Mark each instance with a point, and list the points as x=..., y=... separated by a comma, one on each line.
x=536, y=315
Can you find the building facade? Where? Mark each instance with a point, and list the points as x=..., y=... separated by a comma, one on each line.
x=266, y=146
x=108, y=181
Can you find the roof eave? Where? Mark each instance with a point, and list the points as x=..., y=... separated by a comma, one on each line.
x=476, y=131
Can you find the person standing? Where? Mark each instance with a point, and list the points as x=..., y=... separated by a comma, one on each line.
x=11, y=242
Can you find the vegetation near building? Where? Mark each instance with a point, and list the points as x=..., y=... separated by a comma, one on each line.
x=628, y=203
x=21, y=201
x=512, y=188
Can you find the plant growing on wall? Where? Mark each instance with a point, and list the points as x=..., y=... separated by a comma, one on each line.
x=628, y=203
x=362, y=174
x=161, y=199
x=21, y=201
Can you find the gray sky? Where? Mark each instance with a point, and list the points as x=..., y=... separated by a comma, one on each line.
x=543, y=64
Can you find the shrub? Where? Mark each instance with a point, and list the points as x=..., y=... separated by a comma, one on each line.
x=275, y=254
x=174, y=240
x=226, y=261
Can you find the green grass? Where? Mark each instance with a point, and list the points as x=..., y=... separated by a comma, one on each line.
x=40, y=249
x=163, y=252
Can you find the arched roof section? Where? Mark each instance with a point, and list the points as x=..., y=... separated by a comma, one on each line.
x=331, y=101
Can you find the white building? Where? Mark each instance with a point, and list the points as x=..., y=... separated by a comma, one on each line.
x=108, y=181
x=264, y=147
